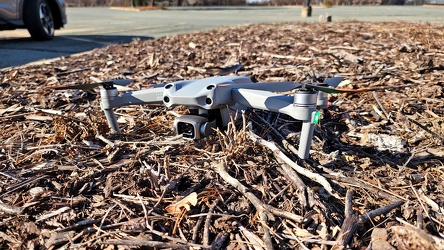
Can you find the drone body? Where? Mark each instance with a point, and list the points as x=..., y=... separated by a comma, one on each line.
x=211, y=102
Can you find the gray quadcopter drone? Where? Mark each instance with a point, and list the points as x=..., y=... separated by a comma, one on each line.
x=211, y=101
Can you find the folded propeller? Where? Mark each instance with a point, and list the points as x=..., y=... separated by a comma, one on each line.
x=89, y=86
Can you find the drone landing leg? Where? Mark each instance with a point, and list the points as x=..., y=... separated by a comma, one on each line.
x=305, y=140
x=112, y=121
x=107, y=96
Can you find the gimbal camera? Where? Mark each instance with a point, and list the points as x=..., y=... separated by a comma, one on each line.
x=211, y=101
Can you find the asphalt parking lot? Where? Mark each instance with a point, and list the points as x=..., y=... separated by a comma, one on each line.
x=90, y=28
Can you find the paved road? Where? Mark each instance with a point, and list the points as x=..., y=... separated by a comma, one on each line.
x=90, y=28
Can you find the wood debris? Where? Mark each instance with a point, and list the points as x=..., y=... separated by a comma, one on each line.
x=375, y=178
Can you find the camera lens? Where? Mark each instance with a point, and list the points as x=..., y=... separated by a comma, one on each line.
x=186, y=129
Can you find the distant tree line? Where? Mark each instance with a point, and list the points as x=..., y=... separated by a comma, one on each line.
x=135, y=3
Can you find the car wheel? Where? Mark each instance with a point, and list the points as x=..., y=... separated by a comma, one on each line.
x=39, y=20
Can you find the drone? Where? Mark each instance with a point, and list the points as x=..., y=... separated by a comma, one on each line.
x=213, y=100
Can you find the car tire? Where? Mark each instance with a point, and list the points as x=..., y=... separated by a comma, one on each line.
x=39, y=19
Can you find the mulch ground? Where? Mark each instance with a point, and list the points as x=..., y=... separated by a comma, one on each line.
x=374, y=180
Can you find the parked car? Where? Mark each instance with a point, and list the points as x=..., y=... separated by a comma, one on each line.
x=40, y=17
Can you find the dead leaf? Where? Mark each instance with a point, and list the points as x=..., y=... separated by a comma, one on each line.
x=176, y=208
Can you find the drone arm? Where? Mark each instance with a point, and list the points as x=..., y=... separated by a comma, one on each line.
x=110, y=99
x=147, y=96
x=306, y=112
x=265, y=100
x=260, y=99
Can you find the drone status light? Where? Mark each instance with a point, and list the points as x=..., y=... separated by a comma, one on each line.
x=315, y=117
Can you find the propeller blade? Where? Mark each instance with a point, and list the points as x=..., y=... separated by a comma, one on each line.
x=90, y=86
x=338, y=91
x=80, y=86
x=121, y=82
x=230, y=69
x=379, y=88
x=325, y=89
x=334, y=82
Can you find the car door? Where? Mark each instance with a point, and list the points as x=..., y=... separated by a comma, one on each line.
x=9, y=9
